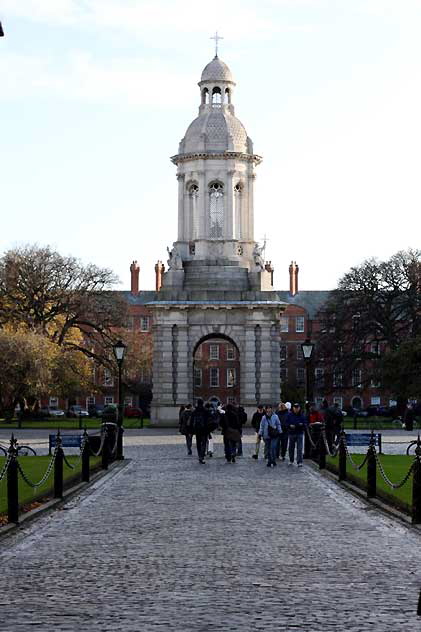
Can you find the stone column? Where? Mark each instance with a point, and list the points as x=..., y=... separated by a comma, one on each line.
x=275, y=339
x=181, y=210
x=266, y=363
x=248, y=366
x=229, y=210
x=182, y=364
x=202, y=205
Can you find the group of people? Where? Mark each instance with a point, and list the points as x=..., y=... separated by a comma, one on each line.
x=281, y=431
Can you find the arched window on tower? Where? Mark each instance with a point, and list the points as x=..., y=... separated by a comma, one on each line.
x=193, y=190
x=238, y=200
x=227, y=96
x=205, y=96
x=216, y=97
x=216, y=210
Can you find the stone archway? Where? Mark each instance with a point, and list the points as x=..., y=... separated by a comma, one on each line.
x=216, y=366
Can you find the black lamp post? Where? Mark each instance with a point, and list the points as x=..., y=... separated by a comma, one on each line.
x=119, y=352
x=1, y=31
x=307, y=348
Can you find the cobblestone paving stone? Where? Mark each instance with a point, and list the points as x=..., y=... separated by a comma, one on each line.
x=167, y=544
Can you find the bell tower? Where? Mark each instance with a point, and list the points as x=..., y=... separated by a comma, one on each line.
x=216, y=171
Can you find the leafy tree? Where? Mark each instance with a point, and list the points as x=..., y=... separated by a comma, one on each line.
x=401, y=370
x=58, y=296
x=374, y=310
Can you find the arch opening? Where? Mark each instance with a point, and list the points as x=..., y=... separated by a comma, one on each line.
x=216, y=370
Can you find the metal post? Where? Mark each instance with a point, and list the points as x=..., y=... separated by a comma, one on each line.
x=12, y=484
x=105, y=449
x=322, y=448
x=371, y=469
x=416, y=485
x=58, y=468
x=85, y=458
x=119, y=455
x=80, y=420
x=307, y=445
x=342, y=457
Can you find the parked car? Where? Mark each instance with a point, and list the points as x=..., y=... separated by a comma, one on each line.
x=56, y=412
x=43, y=412
x=95, y=411
x=355, y=412
x=133, y=411
x=76, y=411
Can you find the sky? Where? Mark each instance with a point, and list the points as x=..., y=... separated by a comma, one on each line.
x=95, y=96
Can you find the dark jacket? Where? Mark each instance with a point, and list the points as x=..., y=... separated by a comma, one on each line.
x=230, y=419
x=296, y=423
x=199, y=420
x=282, y=415
x=242, y=415
x=256, y=419
x=185, y=424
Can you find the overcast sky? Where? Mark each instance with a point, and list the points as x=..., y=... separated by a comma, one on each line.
x=95, y=96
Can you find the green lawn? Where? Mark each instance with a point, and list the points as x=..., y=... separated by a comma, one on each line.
x=69, y=424
x=35, y=468
x=395, y=466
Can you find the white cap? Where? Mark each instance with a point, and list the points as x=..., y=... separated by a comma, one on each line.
x=288, y=405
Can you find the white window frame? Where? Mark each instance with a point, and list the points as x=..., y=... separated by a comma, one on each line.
x=319, y=375
x=232, y=384
x=300, y=355
x=300, y=324
x=53, y=402
x=283, y=375
x=128, y=401
x=338, y=400
x=231, y=400
x=214, y=371
x=197, y=377
x=284, y=323
x=338, y=379
x=230, y=352
x=90, y=401
x=283, y=352
x=319, y=401
x=300, y=375
x=108, y=399
x=357, y=381
x=375, y=400
x=108, y=378
x=214, y=348
x=145, y=323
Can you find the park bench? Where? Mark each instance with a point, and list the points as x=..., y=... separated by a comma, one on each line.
x=67, y=441
x=363, y=439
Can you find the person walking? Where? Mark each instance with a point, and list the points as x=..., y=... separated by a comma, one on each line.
x=242, y=416
x=296, y=423
x=282, y=446
x=231, y=427
x=185, y=427
x=199, y=423
x=270, y=429
x=408, y=417
x=255, y=422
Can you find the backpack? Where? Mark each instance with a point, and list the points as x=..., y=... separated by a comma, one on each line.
x=272, y=431
x=199, y=422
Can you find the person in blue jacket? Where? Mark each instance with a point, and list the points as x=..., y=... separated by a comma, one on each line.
x=296, y=424
x=270, y=430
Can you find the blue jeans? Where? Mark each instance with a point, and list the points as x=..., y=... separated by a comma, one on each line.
x=295, y=439
x=271, y=446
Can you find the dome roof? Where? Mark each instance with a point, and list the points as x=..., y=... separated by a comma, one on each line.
x=218, y=130
x=216, y=70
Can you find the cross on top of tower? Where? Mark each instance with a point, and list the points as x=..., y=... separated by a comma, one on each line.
x=216, y=37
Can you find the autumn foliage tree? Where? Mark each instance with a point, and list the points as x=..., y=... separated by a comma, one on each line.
x=60, y=309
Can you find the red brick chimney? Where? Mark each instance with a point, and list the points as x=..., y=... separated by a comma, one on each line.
x=293, y=278
x=159, y=271
x=134, y=278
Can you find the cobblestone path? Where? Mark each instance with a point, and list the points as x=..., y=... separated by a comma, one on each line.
x=167, y=544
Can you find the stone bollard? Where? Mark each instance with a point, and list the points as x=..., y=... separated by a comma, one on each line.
x=105, y=456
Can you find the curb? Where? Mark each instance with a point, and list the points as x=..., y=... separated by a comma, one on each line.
x=55, y=503
x=372, y=503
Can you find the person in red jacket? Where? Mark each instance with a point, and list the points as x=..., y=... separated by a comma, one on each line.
x=315, y=416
